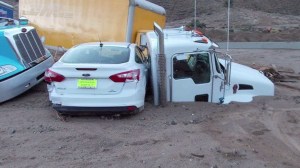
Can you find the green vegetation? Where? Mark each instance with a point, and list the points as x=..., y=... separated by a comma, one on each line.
x=198, y=24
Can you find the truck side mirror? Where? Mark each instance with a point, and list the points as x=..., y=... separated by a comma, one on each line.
x=227, y=74
x=43, y=39
x=226, y=60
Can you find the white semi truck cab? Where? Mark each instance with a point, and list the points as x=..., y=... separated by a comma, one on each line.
x=185, y=67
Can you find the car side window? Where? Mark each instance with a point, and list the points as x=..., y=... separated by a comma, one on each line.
x=192, y=65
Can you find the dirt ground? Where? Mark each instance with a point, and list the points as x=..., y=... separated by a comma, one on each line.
x=263, y=133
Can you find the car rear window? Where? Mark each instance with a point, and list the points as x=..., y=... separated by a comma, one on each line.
x=97, y=55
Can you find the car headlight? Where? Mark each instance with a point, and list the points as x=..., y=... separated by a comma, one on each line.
x=5, y=69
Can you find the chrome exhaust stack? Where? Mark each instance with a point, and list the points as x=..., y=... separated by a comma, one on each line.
x=159, y=80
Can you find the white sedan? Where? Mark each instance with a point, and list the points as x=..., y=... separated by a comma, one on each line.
x=99, y=77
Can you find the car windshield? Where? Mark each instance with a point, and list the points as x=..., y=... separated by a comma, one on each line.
x=94, y=54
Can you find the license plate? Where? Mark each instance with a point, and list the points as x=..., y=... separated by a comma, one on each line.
x=87, y=83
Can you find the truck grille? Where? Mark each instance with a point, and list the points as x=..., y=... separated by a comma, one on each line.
x=30, y=47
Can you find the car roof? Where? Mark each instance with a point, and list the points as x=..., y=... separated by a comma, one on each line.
x=117, y=44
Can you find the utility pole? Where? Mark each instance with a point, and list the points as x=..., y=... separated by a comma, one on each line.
x=195, y=12
x=228, y=25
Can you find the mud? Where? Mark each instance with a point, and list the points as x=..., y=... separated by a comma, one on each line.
x=263, y=133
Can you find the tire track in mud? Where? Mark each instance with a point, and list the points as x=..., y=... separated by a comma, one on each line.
x=288, y=86
x=252, y=130
x=275, y=123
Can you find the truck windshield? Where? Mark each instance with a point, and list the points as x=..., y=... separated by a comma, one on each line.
x=7, y=22
x=94, y=54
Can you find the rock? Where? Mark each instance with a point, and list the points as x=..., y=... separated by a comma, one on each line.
x=116, y=117
x=185, y=107
x=173, y=122
x=218, y=149
x=12, y=131
x=105, y=150
x=215, y=166
x=197, y=155
x=196, y=121
x=254, y=151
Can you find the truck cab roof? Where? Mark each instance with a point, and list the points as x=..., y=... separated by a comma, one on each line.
x=178, y=41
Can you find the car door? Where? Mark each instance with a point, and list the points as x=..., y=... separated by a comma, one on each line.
x=192, y=77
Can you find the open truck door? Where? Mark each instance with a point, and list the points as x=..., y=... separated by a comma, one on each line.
x=219, y=79
x=197, y=76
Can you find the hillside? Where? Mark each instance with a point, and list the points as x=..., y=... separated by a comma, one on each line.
x=179, y=9
x=272, y=20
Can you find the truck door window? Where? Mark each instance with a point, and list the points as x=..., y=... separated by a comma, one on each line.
x=192, y=65
x=218, y=68
x=139, y=56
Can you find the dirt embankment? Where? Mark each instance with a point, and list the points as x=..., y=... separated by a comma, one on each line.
x=272, y=20
x=178, y=9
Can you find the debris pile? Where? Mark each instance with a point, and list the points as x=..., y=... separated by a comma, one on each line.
x=281, y=76
x=271, y=73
